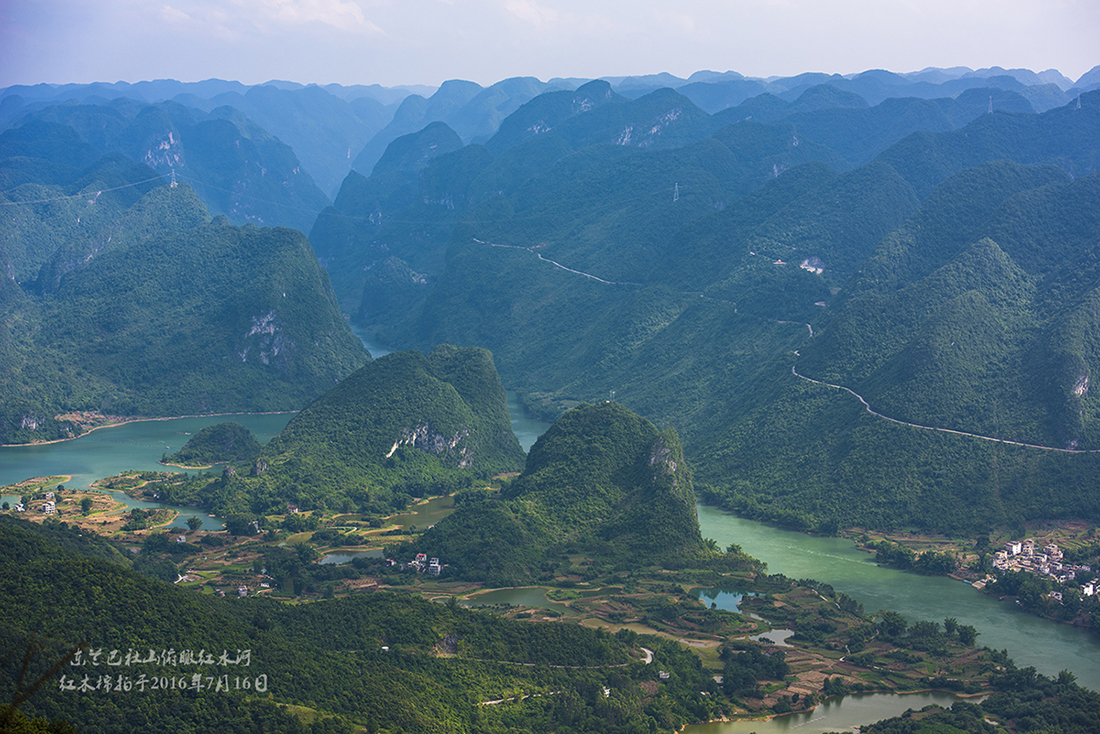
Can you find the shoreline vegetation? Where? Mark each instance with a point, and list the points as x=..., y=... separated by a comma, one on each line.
x=115, y=421
x=378, y=538
x=837, y=649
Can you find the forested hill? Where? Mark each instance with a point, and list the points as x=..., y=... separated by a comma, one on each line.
x=387, y=233
x=217, y=444
x=403, y=426
x=602, y=481
x=690, y=274
x=123, y=298
x=365, y=662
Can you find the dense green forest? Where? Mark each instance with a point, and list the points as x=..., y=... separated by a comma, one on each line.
x=124, y=298
x=217, y=444
x=602, y=481
x=381, y=661
x=946, y=280
x=401, y=427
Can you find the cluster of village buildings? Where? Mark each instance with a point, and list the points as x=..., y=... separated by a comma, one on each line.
x=421, y=564
x=48, y=507
x=1020, y=555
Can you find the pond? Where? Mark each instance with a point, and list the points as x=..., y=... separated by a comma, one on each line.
x=836, y=714
x=425, y=514
x=338, y=558
x=721, y=597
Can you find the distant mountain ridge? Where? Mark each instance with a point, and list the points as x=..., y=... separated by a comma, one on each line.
x=684, y=279
x=334, y=128
x=238, y=168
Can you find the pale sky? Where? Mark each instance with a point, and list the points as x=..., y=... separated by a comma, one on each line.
x=393, y=42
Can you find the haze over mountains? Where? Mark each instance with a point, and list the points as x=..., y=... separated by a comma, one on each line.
x=823, y=301
x=684, y=242
x=334, y=128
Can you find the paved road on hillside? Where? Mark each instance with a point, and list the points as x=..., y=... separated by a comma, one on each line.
x=875, y=413
x=810, y=328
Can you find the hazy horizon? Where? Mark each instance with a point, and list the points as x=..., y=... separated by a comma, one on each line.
x=426, y=42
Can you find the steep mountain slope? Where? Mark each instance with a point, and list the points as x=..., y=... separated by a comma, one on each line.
x=324, y=130
x=408, y=216
x=949, y=329
x=108, y=283
x=402, y=426
x=601, y=478
x=590, y=278
x=1064, y=136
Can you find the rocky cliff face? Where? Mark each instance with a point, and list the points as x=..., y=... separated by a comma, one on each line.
x=423, y=438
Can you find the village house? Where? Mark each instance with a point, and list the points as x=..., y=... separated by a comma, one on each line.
x=1020, y=556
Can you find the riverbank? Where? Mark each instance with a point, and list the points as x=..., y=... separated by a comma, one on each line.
x=1058, y=594
x=116, y=421
x=825, y=700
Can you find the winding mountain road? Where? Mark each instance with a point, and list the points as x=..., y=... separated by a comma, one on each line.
x=794, y=371
x=875, y=413
x=557, y=264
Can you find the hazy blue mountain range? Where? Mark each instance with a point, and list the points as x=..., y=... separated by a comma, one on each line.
x=333, y=128
x=325, y=126
x=473, y=112
x=385, y=216
x=238, y=169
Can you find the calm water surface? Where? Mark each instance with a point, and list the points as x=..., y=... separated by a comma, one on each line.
x=339, y=558
x=109, y=451
x=426, y=514
x=836, y=714
x=1047, y=646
